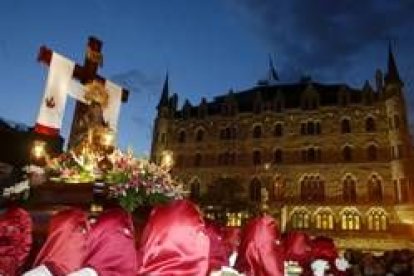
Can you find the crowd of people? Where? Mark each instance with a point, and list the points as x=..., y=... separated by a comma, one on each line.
x=176, y=240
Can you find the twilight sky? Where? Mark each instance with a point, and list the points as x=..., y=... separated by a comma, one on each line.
x=208, y=47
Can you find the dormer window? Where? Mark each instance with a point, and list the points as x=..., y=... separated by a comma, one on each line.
x=310, y=100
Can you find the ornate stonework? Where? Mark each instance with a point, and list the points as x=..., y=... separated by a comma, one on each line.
x=334, y=160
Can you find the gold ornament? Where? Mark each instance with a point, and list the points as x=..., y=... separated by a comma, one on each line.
x=95, y=92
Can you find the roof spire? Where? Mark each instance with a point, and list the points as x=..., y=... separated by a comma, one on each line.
x=165, y=93
x=392, y=75
x=272, y=75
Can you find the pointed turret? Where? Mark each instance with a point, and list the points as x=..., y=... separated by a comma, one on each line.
x=392, y=76
x=165, y=94
x=272, y=75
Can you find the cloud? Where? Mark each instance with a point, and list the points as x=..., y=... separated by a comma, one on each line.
x=328, y=37
x=137, y=81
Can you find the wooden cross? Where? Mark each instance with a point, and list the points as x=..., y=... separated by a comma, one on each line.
x=85, y=74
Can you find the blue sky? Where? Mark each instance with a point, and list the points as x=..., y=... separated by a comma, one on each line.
x=208, y=47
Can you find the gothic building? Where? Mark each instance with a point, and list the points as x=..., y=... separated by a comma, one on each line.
x=323, y=158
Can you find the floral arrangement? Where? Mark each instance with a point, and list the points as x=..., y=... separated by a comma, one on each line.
x=138, y=182
x=131, y=181
x=72, y=168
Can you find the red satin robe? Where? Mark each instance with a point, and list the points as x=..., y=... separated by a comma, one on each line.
x=111, y=246
x=174, y=242
x=297, y=247
x=259, y=254
x=66, y=246
x=15, y=240
x=75, y=242
x=324, y=248
x=219, y=253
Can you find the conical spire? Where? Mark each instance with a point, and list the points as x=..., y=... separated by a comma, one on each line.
x=272, y=76
x=392, y=75
x=165, y=93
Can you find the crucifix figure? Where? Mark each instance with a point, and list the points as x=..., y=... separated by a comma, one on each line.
x=87, y=76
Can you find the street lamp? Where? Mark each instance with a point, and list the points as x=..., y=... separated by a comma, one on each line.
x=167, y=159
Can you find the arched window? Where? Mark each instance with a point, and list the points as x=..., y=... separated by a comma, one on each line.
x=370, y=125
x=278, y=189
x=199, y=135
x=195, y=190
x=310, y=128
x=324, y=220
x=257, y=132
x=181, y=137
x=396, y=121
x=372, y=153
x=377, y=220
x=257, y=157
x=317, y=128
x=278, y=132
x=255, y=190
x=300, y=219
x=278, y=156
x=234, y=133
x=347, y=153
x=349, y=189
x=311, y=155
x=197, y=160
x=312, y=188
x=350, y=220
x=375, y=188
x=345, y=126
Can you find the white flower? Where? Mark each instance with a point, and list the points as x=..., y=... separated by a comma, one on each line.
x=342, y=264
x=319, y=267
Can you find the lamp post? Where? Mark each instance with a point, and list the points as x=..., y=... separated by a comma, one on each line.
x=167, y=159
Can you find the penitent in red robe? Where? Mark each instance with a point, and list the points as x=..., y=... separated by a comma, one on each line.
x=259, y=253
x=65, y=248
x=174, y=242
x=111, y=245
x=105, y=244
x=15, y=240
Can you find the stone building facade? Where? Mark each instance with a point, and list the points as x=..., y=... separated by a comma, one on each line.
x=324, y=158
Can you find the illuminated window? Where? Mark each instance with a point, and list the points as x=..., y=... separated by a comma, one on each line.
x=349, y=189
x=324, y=220
x=350, y=220
x=377, y=220
x=300, y=219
